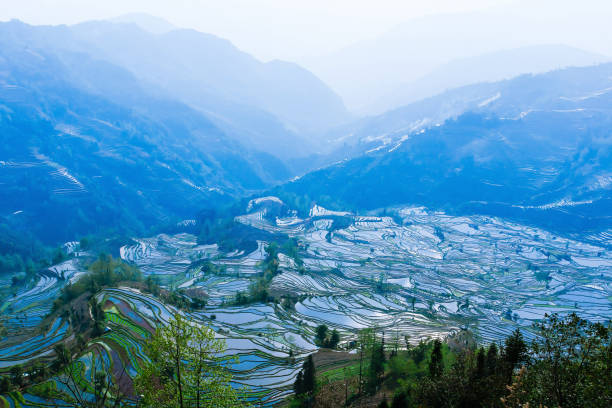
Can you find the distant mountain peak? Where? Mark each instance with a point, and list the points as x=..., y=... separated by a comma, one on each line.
x=487, y=67
x=147, y=22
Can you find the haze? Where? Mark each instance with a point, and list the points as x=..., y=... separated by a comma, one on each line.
x=292, y=29
x=365, y=51
x=268, y=28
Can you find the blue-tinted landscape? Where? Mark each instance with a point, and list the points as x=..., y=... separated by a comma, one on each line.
x=419, y=215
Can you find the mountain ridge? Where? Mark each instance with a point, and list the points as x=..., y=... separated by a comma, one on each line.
x=209, y=74
x=514, y=149
x=369, y=70
x=74, y=161
x=491, y=67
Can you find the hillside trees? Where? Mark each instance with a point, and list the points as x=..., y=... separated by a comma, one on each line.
x=567, y=364
x=70, y=370
x=515, y=352
x=258, y=289
x=305, y=384
x=436, y=365
x=366, y=343
x=185, y=370
x=104, y=272
x=570, y=364
x=325, y=338
x=377, y=367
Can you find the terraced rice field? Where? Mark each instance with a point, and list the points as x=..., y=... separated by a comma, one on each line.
x=23, y=314
x=419, y=274
x=440, y=273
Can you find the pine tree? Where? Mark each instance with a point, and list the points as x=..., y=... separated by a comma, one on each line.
x=515, y=352
x=436, y=364
x=298, y=385
x=492, y=359
x=383, y=404
x=400, y=400
x=309, y=375
x=334, y=339
x=17, y=375
x=305, y=383
x=377, y=367
x=481, y=364
x=320, y=338
x=5, y=385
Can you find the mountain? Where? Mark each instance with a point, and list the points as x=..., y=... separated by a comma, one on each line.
x=535, y=148
x=490, y=67
x=376, y=132
x=147, y=22
x=190, y=63
x=86, y=147
x=367, y=71
x=271, y=106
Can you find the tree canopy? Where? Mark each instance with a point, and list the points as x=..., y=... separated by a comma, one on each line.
x=185, y=369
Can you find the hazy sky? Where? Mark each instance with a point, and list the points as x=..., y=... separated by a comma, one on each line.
x=306, y=31
x=266, y=28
